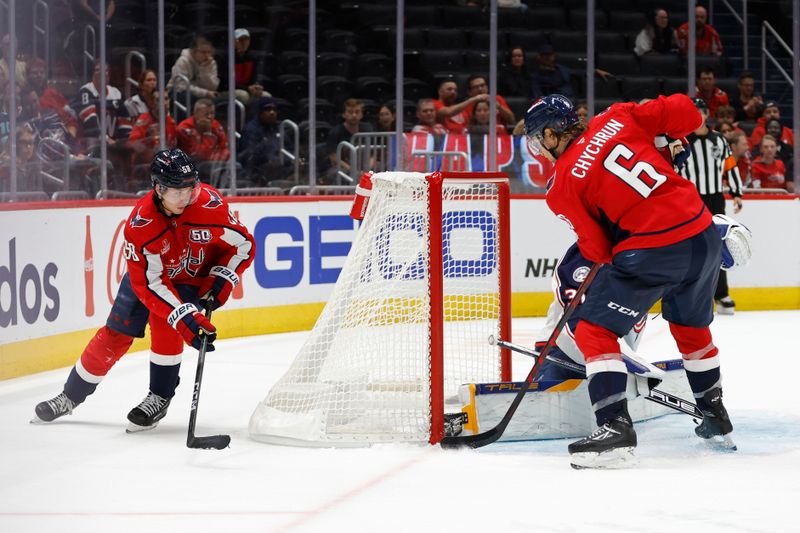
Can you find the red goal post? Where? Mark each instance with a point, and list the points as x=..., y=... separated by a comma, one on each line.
x=436, y=182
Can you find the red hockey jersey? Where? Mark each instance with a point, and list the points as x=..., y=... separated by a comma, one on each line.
x=162, y=251
x=615, y=189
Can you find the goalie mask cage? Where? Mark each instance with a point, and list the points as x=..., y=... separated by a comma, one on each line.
x=423, y=287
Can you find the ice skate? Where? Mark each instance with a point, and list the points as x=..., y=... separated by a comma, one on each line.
x=716, y=425
x=610, y=446
x=725, y=306
x=146, y=415
x=51, y=409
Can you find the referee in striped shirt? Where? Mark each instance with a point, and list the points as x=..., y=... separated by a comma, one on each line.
x=710, y=162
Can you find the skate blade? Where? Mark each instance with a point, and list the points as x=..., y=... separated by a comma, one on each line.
x=37, y=420
x=723, y=443
x=611, y=459
x=725, y=311
x=136, y=428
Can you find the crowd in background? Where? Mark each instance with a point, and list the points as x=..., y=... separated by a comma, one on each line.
x=60, y=133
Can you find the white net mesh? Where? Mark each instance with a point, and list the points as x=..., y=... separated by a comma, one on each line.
x=364, y=374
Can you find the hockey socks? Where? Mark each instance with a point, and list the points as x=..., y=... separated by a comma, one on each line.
x=105, y=349
x=164, y=370
x=700, y=360
x=605, y=369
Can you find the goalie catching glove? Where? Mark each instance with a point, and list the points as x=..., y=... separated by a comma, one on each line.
x=736, y=242
x=218, y=286
x=193, y=326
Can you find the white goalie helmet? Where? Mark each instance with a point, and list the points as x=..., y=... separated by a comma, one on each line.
x=736, y=242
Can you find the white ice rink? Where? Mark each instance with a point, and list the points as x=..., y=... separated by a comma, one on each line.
x=84, y=473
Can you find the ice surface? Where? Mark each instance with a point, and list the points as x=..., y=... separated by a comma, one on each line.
x=84, y=473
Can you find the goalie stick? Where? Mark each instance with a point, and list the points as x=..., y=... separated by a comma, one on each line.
x=491, y=435
x=654, y=395
x=213, y=442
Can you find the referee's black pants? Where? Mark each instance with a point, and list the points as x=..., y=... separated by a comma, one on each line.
x=716, y=204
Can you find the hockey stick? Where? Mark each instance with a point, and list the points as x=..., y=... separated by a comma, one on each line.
x=654, y=395
x=213, y=442
x=490, y=436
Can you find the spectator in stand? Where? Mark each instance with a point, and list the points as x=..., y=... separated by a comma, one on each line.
x=768, y=171
x=771, y=111
x=55, y=145
x=727, y=129
x=353, y=112
x=657, y=37
x=452, y=114
x=260, y=146
x=88, y=110
x=145, y=138
x=748, y=106
x=142, y=101
x=725, y=113
x=548, y=76
x=707, y=41
x=784, y=151
x=386, y=118
x=707, y=89
x=203, y=138
x=246, y=70
x=426, y=118
x=44, y=124
x=50, y=99
x=477, y=85
x=582, y=110
x=514, y=77
x=479, y=120
x=197, y=64
x=21, y=65
x=28, y=176
x=740, y=149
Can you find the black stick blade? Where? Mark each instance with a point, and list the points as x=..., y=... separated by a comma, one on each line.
x=214, y=442
x=471, y=441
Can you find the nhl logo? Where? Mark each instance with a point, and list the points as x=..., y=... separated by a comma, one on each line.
x=580, y=274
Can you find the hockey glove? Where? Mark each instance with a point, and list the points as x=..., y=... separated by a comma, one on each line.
x=218, y=285
x=736, y=242
x=193, y=326
x=681, y=150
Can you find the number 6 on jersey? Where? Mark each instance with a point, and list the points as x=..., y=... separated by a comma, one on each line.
x=633, y=177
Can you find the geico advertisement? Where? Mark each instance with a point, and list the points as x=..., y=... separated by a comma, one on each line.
x=60, y=268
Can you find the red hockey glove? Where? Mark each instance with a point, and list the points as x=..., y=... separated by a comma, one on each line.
x=218, y=285
x=193, y=326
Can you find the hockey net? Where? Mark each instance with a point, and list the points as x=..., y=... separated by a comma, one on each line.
x=424, y=286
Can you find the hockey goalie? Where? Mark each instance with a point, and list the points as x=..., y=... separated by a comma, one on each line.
x=557, y=405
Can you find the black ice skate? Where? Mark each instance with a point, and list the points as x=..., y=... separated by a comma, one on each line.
x=716, y=423
x=725, y=306
x=610, y=446
x=147, y=414
x=52, y=409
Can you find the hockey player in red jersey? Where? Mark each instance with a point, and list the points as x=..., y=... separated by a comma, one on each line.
x=182, y=245
x=633, y=213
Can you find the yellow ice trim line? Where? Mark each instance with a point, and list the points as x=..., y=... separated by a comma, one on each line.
x=472, y=412
x=57, y=351
x=567, y=385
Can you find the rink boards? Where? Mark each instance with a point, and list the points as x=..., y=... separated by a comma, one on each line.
x=61, y=262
